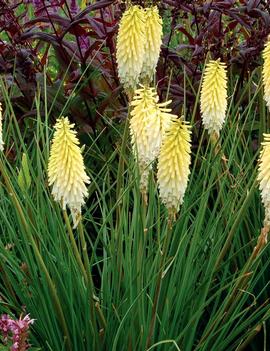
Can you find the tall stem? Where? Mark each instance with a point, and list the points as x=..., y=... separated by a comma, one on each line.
x=74, y=245
x=120, y=170
x=85, y=271
x=159, y=281
x=85, y=256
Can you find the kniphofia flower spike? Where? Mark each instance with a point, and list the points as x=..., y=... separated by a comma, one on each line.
x=66, y=170
x=130, y=47
x=214, y=96
x=173, y=165
x=149, y=120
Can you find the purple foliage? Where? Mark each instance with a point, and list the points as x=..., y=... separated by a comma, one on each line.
x=84, y=42
x=74, y=7
x=37, y=3
x=235, y=31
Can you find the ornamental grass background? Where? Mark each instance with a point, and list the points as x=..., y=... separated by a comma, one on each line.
x=134, y=175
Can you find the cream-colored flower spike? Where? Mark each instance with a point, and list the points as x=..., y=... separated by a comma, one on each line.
x=264, y=176
x=153, y=40
x=149, y=120
x=130, y=47
x=1, y=128
x=214, y=96
x=266, y=73
x=173, y=165
x=66, y=170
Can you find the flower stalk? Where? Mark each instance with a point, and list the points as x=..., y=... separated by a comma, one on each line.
x=164, y=254
x=1, y=128
x=74, y=245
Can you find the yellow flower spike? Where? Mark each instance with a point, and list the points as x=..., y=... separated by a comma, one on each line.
x=153, y=40
x=149, y=120
x=143, y=114
x=66, y=170
x=266, y=73
x=130, y=47
x=264, y=176
x=173, y=165
x=1, y=129
x=214, y=96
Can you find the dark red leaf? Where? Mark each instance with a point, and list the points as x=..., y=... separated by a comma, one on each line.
x=97, y=6
x=186, y=33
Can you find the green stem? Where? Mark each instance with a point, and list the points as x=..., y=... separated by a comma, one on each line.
x=119, y=186
x=159, y=281
x=74, y=245
x=85, y=269
x=250, y=337
x=120, y=170
x=89, y=274
x=85, y=256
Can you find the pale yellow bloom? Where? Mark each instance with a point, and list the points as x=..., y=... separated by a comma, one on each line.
x=264, y=176
x=153, y=40
x=1, y=129
x=214, y=96
x=83, y=4
x=130, y=47
x=173, y=165
x=266, y=73
x=149, y=120
x=66, y=170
